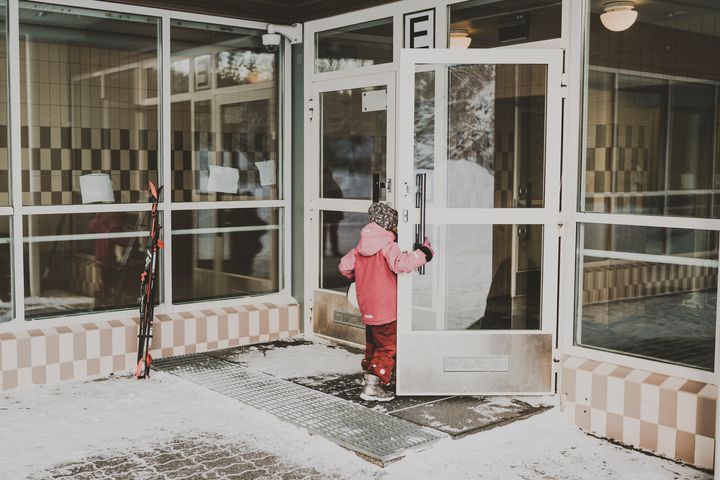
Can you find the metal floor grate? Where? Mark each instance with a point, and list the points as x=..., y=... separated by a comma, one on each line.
x=374, y=434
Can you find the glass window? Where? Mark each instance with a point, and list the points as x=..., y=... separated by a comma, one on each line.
x=226, y=253
x=340, y=233
x=83, y=262
x=6, y=304
x=4, y=164
x=649, y=292
x=225, y=114
x=354, y=46
x=652, y=113
x=495, y=114
x=354, y=143
x=493, y=282
x=496, y=23
x=84, y=103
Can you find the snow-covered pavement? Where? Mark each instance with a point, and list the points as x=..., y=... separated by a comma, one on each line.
x=101, y=428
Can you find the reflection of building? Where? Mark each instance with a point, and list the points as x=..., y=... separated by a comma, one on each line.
x=607, y=245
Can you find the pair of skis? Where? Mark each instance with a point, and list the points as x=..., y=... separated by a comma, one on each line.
x=148, y=282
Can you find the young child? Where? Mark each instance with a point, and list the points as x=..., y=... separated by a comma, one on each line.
x=374, y=264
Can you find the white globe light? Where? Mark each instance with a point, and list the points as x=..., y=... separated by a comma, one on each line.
x=459, y=39
x=618, y=16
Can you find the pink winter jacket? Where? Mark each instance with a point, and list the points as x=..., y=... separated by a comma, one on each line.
x=374, y=265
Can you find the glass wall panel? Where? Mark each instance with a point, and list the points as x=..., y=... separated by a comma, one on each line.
x=354, y=143
x=6, y=302
x=340, y=233
x=226, y=253
x=649, y=292
x=651, y=124
x=493, y=122
x=354, y=46
x=86, y=105
x=83, y=262
x=4, y=163
x=491, y=282
x=493, y=24
x=225, y=114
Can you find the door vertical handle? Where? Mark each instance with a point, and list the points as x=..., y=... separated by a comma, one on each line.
x=421, y=203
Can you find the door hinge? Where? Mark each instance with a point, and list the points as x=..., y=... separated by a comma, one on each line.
x=561, y=225
x=388, y=185
x=405, y=216
x=564, y=85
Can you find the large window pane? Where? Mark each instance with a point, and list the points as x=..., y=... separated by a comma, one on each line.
x=506, y=22
x=492, y=282
x=354, y=143
x=652, y=114
x=226, y=253
x=86, y=105
x=84, y=262
x=225, y=128
x=340, y=233
x=494, y=119
x=4, y=164
x=354, y=46
x=6, y=305
x=649, y=292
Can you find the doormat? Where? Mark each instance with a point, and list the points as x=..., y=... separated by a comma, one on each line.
x=369, y=433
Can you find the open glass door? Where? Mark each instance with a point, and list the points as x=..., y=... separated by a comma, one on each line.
x=479, y=172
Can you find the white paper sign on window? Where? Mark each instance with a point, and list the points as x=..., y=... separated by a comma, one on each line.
x=96, y=188
x=223, y=179
x=267, y=171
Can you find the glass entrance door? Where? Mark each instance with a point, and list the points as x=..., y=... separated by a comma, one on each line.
x=479, y=169
x=353, y=156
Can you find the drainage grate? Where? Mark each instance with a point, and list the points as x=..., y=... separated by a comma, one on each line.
x=374, y=434
x=350, y=319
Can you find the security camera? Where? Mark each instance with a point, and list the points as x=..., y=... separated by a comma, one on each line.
x=271, y=41
x=275, y=34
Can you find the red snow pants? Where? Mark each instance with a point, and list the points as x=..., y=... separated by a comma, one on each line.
x=380, y=350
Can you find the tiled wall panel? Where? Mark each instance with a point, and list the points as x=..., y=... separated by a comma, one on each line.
x=670, y=416
x=82, y=349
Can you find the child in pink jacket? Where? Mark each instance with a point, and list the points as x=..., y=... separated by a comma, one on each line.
x=374, y=264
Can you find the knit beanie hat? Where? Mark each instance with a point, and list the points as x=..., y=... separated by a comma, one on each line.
x=383, y=215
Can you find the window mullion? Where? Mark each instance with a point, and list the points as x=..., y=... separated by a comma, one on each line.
x=166, y=155
x=13, y=63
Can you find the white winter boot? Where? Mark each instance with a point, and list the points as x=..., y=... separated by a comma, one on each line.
x=373, y=391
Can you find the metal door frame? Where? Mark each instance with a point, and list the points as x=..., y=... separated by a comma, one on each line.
x=549, y=215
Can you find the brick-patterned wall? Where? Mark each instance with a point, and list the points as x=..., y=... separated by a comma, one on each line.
x=669, y=416
x=80, y=349
x=607, y=281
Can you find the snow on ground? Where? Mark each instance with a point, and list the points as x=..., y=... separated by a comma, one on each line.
x=44, y=426
x=317, y=359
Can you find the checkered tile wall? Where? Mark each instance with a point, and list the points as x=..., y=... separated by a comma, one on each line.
x=79, y=350
x=669, y=416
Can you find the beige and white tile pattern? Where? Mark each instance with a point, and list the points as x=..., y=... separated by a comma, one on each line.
x=670, y=416
x=94, y=347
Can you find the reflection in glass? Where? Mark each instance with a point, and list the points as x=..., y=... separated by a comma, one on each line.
x=85, y=102
x=354, y=144
x=224, y=114
x=83, y=262
x=225, y=253
x=652, y=116
x=354, y=46
x=340, y=233
x=4, y=164
x=507, y=22
x=491, y=282
x=660, y=307
x=495, y=134
x=6, y=305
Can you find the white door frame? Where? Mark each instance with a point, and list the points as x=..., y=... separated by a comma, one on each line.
x=548, y=215
x=315, y=204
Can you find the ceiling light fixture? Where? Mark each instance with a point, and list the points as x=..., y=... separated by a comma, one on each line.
x=618, y=16
x=459, y=39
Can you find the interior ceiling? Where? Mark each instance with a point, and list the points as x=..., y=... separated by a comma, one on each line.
x=271, y=11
